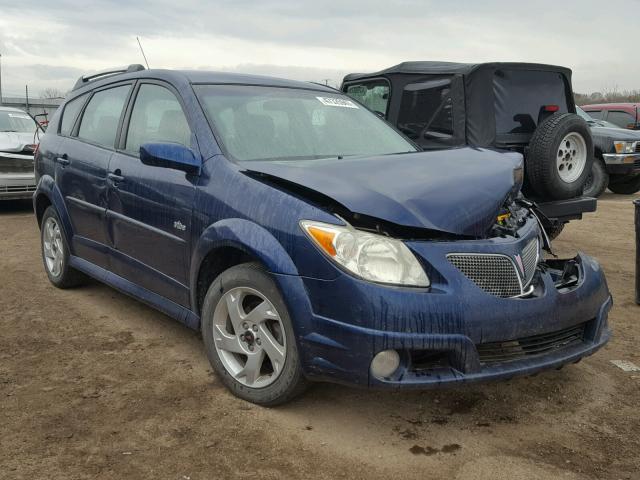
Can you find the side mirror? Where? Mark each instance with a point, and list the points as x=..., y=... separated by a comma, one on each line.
x=170, y=155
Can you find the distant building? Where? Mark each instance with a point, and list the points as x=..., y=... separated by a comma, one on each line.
x=36, y=106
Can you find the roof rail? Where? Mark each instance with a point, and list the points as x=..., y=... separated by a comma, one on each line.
x=83, y=80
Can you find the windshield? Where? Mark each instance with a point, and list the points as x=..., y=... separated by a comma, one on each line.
x=270, y=123
x=16, y=122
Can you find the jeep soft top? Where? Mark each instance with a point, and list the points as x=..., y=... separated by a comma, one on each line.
x=526, y=107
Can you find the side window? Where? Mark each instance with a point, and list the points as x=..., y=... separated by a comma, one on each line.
x=622, y=119
x=156, y=117
x=99, y=122
x=70, y=113
x=597, y=114
x=426, y=110
x=374, y=95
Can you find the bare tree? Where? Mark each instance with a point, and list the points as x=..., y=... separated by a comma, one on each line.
x=51, y=93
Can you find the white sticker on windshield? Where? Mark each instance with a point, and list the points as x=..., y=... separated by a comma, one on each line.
x=20, y=115
x=337, y=102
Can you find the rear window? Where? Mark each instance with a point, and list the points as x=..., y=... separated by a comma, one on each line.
x=426, y=110
x=622, y=119
x=597, y=114
x=520, y=96
x=373, y=94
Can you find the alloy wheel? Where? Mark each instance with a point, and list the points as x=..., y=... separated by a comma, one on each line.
x=52, y=246
x=249, y=337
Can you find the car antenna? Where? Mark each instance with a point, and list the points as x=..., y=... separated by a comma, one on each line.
x=142, y=51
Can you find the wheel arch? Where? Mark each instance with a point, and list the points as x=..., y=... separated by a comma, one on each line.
x=47, y=193
x=231, y=242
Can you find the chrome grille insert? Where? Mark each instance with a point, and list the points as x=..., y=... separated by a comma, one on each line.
x=530, y=260
x=495, y=274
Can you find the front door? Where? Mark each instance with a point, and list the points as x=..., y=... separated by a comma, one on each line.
x=149, y=213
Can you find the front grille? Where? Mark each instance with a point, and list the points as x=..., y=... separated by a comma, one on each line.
x=498, y=274
x=499, y=352
x=495, y=274
x=17, y=188
x=638, y=147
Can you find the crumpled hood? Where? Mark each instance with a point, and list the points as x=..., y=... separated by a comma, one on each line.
x=458, y=191
x=15, y=141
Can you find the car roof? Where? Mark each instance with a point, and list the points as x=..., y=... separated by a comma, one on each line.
x=195, y=77
x=452, y=68
x=607, y=106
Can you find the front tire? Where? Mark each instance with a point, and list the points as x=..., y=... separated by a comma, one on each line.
x=626, y=185
x=249, y=337
x=597, y=181
x=560, y=156
x=55, y=252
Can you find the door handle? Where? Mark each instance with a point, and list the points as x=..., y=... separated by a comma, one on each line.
x=115, y=178
x=63, y=160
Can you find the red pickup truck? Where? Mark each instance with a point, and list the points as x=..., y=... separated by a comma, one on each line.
x=624, y=115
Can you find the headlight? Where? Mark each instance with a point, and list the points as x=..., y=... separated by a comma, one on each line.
x=369, y=256
x=625, y=147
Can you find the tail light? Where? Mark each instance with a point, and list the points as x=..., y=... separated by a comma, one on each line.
x=551, y=108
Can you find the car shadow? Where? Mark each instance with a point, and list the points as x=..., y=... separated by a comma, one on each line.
x=16, y=206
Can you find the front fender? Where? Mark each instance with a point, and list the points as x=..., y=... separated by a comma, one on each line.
x=47, y=187
x=244, y=235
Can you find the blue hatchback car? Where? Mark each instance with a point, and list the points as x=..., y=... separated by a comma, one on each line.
x=305, y=237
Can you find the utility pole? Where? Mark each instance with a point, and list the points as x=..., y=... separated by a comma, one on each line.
x=26, y=92
x=0, y=79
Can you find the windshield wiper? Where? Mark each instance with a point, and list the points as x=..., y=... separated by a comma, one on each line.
x=8, y=131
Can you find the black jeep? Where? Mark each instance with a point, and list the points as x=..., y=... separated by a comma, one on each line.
x=524, y=107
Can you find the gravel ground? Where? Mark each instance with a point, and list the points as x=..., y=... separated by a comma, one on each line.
x=96, y=385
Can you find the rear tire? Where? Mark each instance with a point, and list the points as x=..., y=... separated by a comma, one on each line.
x=249, y=337
x=597, y=181
x=626, y=185
x=55, y=252
x=560, y=156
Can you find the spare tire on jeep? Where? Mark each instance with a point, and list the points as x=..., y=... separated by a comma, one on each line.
x=560, y=156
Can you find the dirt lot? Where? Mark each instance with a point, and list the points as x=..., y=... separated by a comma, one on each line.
x=96, y=385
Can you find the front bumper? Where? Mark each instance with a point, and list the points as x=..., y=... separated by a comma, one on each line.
x=342, y=324
x=622, y=163
x=17, y=177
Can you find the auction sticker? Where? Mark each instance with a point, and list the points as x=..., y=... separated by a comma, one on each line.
x=337, y=102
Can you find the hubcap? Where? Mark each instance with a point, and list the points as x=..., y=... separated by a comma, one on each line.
x=249, y=337
x=572, y=157
x=52, y=245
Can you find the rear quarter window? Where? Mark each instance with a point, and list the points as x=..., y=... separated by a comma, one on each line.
x=70, y=113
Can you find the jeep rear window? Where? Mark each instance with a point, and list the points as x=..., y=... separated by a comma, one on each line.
x=373, y=94
x=271, y=123
x=520, y=96
x=426, y=110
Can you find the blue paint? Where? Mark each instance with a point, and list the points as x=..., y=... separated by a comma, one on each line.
x=145, y=225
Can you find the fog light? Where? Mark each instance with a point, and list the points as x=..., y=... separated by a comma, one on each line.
x=385, y=363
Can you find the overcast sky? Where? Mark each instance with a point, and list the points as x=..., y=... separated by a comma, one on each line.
x=50, y=43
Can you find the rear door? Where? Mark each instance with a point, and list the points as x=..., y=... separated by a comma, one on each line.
x=149, y=211
x=82, y=161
